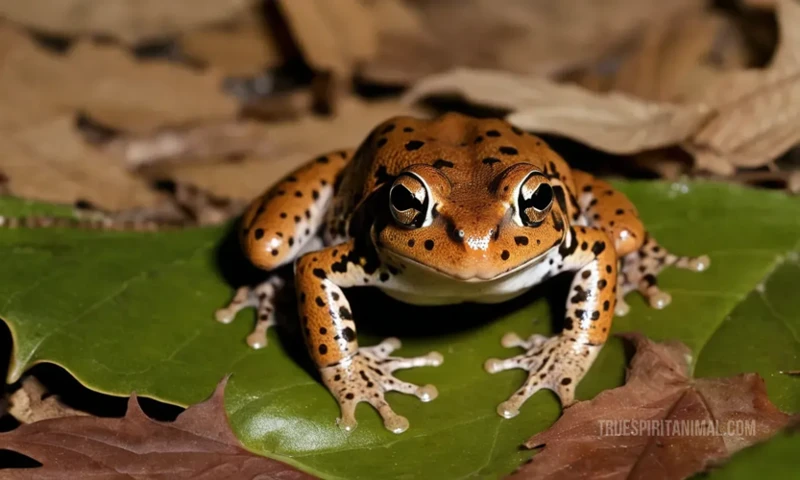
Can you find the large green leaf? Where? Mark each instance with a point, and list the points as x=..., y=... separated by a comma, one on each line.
x=126, y=311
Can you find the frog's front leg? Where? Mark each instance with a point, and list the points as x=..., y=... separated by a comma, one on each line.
x=278, y=227
x=353, y=374
x=641, y=257
x=560, y=362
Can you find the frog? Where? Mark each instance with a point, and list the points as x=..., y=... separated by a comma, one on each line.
x=441, y=211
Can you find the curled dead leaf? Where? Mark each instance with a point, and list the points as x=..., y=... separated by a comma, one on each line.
x=612, y=122
x=756, y=112
x=661, y=424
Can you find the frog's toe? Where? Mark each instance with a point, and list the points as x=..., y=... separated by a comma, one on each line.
x=555, y=364
x=511, y=340
x=698, y=264
x=393, y=422
x=241, y=300
x=262, y=297
x=657, y=298
x=622, y=308
x=347, y=420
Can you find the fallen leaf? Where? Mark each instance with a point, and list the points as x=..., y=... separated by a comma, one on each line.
x=673, y=57
x=332, y=36
x=290, y=143
x=612, y=122
x=30, y=403
x=107, y=83
x=539, y=37
x=50, y=161
x=243, y=47
x=199, y=444
x=757, y=112
x=131, y=21
x=661, y=424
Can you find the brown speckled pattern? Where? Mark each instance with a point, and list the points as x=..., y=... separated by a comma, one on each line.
x=277, y=225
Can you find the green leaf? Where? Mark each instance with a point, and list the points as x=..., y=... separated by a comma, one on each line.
x=134, y=311
x=774, y=459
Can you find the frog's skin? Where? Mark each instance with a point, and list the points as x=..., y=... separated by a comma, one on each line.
x=444, y=211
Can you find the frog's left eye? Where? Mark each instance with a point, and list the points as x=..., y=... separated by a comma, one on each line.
x=408, y=201
x=535, y=199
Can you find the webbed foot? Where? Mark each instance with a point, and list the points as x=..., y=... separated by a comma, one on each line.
x=640, y=269
x=556, y=363
x=367, y=375
x=262, y=297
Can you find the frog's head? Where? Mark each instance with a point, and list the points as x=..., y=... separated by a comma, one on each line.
x=474, y=229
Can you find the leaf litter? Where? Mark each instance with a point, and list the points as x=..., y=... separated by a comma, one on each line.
x=199, y=444
x=661, y=424
x=744, y=118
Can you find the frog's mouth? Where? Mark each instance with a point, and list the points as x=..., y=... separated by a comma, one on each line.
x=469, y=276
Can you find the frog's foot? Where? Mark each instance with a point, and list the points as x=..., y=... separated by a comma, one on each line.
x=262, y=296
x=640, y=269
x=367, y=376
x=557, y=363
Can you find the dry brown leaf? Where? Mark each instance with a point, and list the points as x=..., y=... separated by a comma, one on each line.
x=757, y=112
x=117, y=90
x=49, y=161
x=199, y=444
x=30, y=403
x=591, y=439
x=131, y=21
x=671, y=59
x=105, y=82
x=242, y=48
x=332, y=36
x=611, y=122
x=291, y=144
x=523, y=36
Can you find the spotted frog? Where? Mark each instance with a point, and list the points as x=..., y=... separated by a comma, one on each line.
x=442, y=211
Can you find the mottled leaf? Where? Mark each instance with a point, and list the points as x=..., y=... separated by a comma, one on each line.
x=661, y=424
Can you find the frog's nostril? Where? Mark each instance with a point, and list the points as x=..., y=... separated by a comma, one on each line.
x=456, y=233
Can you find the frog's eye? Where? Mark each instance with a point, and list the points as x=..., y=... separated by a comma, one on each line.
x=535, y=199
x=408, y=201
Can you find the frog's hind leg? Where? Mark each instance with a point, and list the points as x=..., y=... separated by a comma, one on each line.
x=277, y=228
x=639, y=270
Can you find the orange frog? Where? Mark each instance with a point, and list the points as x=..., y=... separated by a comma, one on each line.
x=443, y=211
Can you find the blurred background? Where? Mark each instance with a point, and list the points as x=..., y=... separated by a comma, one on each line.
x=101, y=102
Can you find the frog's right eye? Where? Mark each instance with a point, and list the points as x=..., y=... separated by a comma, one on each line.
x=409, y=201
